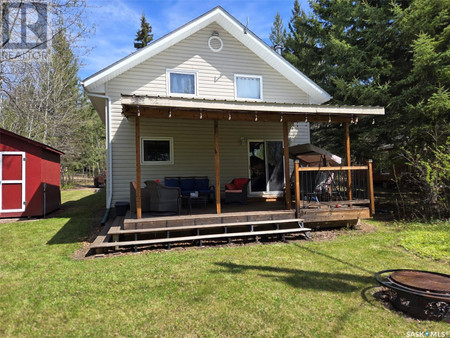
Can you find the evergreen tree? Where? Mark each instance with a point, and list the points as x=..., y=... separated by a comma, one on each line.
x=390, y=53
x=278, y=32
x=143, y=36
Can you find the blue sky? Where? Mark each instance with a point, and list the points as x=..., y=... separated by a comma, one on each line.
x=117, y=21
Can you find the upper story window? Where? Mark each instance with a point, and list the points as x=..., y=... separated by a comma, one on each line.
x=248, y=87
x=181, y=82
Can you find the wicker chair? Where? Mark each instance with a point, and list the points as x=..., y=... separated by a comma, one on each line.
x=145, y=198
x=164, y=199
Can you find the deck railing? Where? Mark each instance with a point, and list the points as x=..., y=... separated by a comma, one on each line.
x=352, y=184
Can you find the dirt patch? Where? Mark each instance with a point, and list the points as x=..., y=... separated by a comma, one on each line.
x=330, y=234
x=96, y=227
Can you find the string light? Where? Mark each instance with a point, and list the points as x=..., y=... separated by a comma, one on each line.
x=306, y=118
x=201, y=115
x=373, y=121
x=329, y=118
x=229, y=116
x=356, y=120
x=281, y=118
x=256, y=117
x=170, y=113
x=352, y=121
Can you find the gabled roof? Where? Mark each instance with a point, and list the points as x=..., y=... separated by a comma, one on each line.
x=27, y=140
x=232, y=26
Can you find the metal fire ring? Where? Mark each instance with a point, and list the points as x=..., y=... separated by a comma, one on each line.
x=420, y=294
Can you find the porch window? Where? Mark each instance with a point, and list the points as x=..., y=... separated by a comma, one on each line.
x=157, y=151
x=182, y=82
x=248, y=87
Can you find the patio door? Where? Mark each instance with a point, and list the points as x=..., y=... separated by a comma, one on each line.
x=12, y=181
x=266, y=166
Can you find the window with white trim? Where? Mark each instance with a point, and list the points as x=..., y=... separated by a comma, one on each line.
x=248, y=87
x=157, y=150
x=181, y=82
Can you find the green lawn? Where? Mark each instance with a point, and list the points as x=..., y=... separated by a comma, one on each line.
x=319, y=289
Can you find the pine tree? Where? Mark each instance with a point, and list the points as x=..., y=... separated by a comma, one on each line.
x=389, y=53
x=278, y=32
x=143, y=36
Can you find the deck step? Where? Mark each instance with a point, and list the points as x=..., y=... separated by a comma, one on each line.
x=118, y=231
x=104, y=236
x=200, y=237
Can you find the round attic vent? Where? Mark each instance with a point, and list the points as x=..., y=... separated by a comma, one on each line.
x=215, y=43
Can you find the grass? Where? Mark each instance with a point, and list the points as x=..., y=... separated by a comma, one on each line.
x=318, y=289
x=430, y=240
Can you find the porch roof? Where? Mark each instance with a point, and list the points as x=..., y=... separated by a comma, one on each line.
x=194, y=108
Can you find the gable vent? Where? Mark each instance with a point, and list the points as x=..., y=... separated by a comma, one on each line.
x=215, y=43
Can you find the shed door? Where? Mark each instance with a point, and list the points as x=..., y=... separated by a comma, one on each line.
x=12, y=181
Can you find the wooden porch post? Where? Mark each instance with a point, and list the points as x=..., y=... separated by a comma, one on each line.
x=138, y=166
x=370, y=187
x=347, y=156
x=297, y=187
x=217, y=164
x=287, y=177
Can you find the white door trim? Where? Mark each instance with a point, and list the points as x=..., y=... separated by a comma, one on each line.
x=22, y=181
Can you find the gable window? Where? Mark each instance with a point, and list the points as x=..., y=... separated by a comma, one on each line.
x=181, y=82
x=157, y=150
x=248, y=87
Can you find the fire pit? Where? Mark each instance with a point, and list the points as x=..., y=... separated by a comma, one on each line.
x=420, y=294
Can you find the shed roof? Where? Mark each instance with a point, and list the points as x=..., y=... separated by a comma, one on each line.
x=27, y=140
x=232, y=26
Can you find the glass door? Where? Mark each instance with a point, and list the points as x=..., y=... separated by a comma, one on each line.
x=266, y=166
x=257, y=166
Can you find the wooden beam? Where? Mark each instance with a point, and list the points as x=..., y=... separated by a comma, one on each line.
x=287, y=176
x=348, y=160
x=138, y=166
x=194, y=114
x=370, y=187
x=217, y=165
x=297, y=187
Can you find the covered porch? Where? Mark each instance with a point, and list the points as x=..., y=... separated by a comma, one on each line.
x=270, y=215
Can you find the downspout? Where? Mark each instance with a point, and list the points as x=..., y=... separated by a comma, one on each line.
x=109, y=149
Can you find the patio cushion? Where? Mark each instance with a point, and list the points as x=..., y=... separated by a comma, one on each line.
x=239, y=182
x=187, y=184
x=171, y=182
x=230, y=186
x=202, y=184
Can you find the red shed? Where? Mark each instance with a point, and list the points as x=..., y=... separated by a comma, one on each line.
x=29, y=177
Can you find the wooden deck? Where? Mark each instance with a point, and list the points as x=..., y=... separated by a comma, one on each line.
x=255, y=219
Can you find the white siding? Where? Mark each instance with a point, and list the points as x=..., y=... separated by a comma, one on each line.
x=193, y=150
x=193, y=140
x=215, y=70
